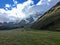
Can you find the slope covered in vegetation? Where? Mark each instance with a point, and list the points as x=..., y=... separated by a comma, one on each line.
x=32, y=37
x=50, y=20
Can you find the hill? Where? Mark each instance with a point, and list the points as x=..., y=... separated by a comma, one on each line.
x=50, y=20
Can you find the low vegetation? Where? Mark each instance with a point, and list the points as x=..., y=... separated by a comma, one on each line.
x=25, y=37
x=50, y=20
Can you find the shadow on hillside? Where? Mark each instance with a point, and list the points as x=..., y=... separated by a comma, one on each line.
x=10, y=28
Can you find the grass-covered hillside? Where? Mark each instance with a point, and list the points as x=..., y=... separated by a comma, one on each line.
x=32, y=37
x=50, y=20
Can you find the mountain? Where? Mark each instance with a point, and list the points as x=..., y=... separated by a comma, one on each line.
x=50, y=20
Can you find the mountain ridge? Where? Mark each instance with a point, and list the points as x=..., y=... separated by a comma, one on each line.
x=50, y=20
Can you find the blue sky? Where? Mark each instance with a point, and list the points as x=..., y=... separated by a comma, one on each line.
x=3, y=2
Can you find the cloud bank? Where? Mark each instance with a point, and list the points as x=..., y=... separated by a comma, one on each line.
x=24, y=10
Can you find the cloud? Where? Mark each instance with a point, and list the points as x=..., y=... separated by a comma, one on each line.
x=43, y=6
x=3, y=17
x=20, y=11
x=17, y=11
x=49, y=0
x=41, y=2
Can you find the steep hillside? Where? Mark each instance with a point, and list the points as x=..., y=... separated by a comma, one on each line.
x=50, y=20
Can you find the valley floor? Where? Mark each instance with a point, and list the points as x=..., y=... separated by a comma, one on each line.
x=24, y=37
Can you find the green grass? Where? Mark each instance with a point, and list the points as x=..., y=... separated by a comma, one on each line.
x=23, y=37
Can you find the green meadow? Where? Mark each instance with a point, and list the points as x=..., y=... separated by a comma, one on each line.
x=29, y=37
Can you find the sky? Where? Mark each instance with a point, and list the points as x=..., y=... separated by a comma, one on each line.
x=12, y=10
x=12, y=3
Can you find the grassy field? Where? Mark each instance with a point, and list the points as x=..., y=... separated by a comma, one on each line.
x=25, y=37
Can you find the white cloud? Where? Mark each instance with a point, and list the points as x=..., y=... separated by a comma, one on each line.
x=42, y=6
x=2, y=10
x=15, y=2
x=49, y=0
x=7, y=5
x=22, y=11
x=41, y=2
x=16, y=11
